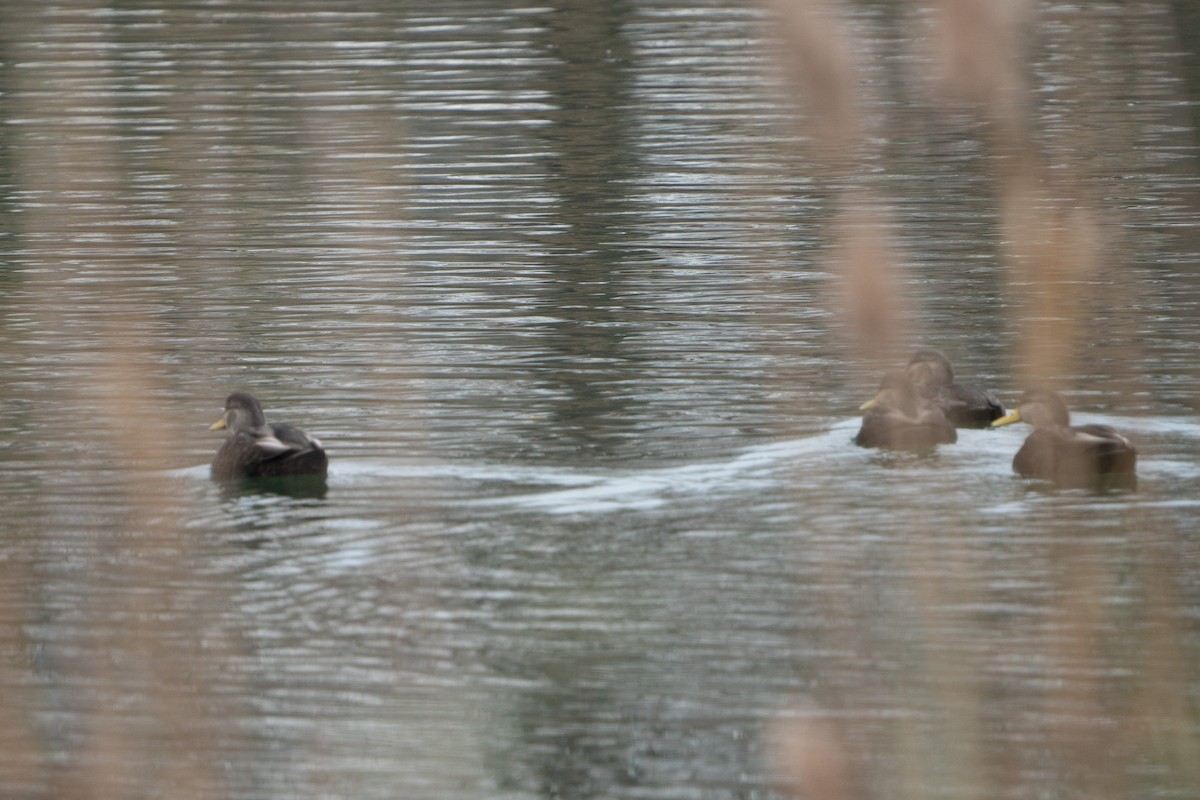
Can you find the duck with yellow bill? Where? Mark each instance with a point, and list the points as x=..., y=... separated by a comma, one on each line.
x=964, y=405
x=255, y=448
x=1078, y=456
x=899, y=418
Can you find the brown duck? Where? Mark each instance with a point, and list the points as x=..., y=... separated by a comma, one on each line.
x=255, y=448
x=1069, y=455
x=965, y=406
x=898, y=417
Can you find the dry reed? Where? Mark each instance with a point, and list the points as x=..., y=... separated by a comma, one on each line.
x=1056, y=239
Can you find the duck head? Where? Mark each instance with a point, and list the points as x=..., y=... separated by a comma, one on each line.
x=929, y=369
x=1041, y=408
x=896, y=390
x=243, y=414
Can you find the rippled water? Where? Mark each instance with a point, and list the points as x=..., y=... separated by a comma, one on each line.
x=554, y=285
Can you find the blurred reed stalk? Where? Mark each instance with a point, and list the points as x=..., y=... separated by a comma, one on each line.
x=821, y=54
x=149, y=686
x=946, y=733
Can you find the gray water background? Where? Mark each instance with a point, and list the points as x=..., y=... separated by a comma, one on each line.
x=554, y=285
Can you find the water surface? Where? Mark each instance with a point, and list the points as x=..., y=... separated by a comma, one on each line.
x=555, y=286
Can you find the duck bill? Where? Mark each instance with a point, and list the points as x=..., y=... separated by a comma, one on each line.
x=874, y=401
x=1007, y=419
x=219, y=425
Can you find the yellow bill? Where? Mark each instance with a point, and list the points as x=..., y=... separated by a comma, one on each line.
x=874, y=401
x=1007, y=419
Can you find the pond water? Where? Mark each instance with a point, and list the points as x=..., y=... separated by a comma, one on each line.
x=558, y=287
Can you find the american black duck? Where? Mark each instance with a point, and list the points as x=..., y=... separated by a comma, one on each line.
x=898, y=417
x=1069, y=455
x=965, y=406
x=255, y=448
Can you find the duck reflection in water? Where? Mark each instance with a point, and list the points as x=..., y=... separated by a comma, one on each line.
x=900, y=418
x=1072, y=456
x=255, y=448
x=965, y=406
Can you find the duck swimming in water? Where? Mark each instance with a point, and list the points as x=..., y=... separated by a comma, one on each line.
x=898, y=417
x=965, y=406
x=255, y=448
x=1076, y=456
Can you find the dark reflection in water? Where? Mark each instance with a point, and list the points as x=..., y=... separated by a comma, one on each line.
x=556, y=285
x=298, y=486
x=589, y=165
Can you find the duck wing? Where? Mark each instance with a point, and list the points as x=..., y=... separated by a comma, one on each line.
x=1106, y=447
x=968, y=406
x=1077, y=456
x=286, y=441
x=269, y=451
x=1104, y=432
